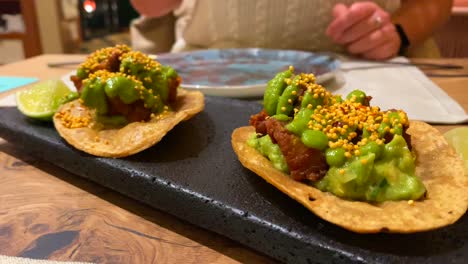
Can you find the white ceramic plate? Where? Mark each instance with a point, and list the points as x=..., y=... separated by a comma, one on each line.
x=243, y=72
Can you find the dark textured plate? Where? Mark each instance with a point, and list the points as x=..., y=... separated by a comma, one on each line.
x=243, y=72
x=194, y=174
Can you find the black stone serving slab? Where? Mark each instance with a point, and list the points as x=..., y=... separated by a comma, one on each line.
x=194, y=174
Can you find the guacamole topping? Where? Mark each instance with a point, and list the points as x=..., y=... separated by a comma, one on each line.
x=122, y=84
x=365, y=148
x=265, y=146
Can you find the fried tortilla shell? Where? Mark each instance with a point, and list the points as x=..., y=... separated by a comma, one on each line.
x=130, y=139
x=437, y=165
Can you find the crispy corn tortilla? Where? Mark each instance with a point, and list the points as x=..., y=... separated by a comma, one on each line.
x=132, y=138
x=437, y=165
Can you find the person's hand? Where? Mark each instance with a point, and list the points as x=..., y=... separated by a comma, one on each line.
x=365, y=29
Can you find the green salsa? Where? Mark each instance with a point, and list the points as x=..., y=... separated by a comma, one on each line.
x=367, y=154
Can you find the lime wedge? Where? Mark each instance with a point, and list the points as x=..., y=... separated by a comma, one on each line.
x=458, y=139
x=43, y=99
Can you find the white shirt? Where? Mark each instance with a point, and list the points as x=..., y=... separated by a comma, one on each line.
x=278, y=24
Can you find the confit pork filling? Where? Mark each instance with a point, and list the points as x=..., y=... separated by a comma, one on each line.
x=304, y=163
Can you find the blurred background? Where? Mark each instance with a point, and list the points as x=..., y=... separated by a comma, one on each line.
x=32, y=27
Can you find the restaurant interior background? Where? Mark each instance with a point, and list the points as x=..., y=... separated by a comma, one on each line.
x=33, y=27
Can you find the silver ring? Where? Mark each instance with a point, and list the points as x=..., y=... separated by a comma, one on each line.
x=378, y=21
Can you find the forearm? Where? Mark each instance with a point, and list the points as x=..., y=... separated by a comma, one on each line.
x=158, y=8
x=419, y=18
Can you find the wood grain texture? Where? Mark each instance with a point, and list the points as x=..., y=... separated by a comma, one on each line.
x=31, y=39
x=452, y=38
x=456, y=87
x=46, y=212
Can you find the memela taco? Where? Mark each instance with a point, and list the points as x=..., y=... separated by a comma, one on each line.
x=350, y=163
x=127, y=103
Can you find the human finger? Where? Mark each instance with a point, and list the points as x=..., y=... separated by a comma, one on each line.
x=370, y=41
x=364, y=27
x=383, y=52
x=354, y=14
x=339, y=10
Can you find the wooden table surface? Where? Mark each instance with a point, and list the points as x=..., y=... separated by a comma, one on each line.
x=48, y=213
